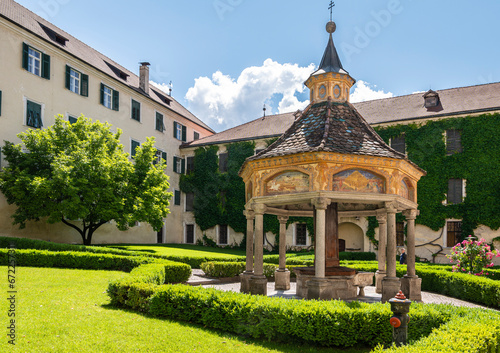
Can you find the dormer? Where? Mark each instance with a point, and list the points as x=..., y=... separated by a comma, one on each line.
x=431, y=99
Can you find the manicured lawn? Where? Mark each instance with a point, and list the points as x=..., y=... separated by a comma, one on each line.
x=180, y=250
x=61, y=310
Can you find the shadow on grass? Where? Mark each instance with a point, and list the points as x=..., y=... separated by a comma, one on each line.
x=285, y=344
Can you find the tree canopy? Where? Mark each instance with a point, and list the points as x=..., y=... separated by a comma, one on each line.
x=78, y=174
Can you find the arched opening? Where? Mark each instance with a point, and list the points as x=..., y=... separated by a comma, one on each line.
x=352, y=235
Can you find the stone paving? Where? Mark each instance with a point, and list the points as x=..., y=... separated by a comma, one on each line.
x=232, y=284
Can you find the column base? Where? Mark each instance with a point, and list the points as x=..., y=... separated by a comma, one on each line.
x=390, y=287
x=282, y=280
x=258, y=285
x=245, y=281
x=379, y=276
x=412, y=288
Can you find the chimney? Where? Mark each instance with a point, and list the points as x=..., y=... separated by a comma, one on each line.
x=144, y=77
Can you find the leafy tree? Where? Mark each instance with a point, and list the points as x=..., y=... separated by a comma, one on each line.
x=78, y=174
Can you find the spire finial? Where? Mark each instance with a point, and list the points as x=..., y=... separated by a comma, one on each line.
x=332, y=5
x=264, y=109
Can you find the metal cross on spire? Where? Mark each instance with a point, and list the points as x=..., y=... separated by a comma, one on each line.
x=332, y=4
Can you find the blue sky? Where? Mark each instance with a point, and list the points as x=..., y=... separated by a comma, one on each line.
x=226, y=58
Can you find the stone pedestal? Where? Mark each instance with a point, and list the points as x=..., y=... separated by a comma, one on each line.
x=412, y=288
x=258, y=285
x=390, y=287
x=282, y=280
x=245, y=281
x=319, y=288
x=379, y=276
x=331, y=287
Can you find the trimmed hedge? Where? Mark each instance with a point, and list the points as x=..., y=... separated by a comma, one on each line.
x=219, y=269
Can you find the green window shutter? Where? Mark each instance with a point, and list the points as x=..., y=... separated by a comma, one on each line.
x=84, y=85
x=33, y=115
x=68, y=76
x=25, y=56
x=116, y=100
x=135, y=144
x=72, y=119
x=177, y=198
x=183, y=166
x=102, y=93
x=136, y=110
x=175, y=129
x=164, y=156
x=175, y=165
x=46, y=66
x=0, y=103
x=183, y=133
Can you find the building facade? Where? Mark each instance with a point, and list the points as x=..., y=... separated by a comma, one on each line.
x=47, y=72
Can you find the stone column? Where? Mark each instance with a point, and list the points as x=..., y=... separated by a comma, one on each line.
x=258, y=282
x=390, y=284
x=318, y=287
x=382, y=249
x=282, y=275
x=245, y=276
x=410, y=284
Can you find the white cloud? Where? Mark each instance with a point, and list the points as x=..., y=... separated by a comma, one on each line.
x=363, y=92
x=165, y=87
x=223, y=102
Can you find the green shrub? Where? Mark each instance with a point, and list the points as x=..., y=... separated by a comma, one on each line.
x=219, y=269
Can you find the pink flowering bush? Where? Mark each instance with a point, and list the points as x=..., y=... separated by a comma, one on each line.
x=472, y=256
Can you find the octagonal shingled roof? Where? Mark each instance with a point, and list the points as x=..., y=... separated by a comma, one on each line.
x=330, y=127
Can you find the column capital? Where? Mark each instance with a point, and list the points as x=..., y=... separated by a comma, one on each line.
x=249, y=214
x=382, y=215
x=411, y=214
x=259, y=208
x=391, y=207
x=321, y=203
x=283, y=219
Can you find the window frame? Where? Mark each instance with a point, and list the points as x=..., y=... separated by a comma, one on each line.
x=157, y=126
x=196, y=136
x=186, y=233
x=180, y=131
x=446, y=240
x=25, y=117
x=160, y=154
x=187, y=195
x=114, y=97
x=219, y=234
x=462, y=187
x=223, y=161
x=395, y=146
x=453, y=143
x=75, y=82
x=72, y=117
x=28, y=61
x=108, y=97
x=32, y=60
x=138, y=109
x=179, y=161
x=189, y=164
x=132, y=149
x=177, y=197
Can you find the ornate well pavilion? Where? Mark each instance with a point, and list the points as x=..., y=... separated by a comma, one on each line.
x=330, y=163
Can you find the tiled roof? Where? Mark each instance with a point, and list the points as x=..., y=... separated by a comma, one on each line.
x=21, y=16
x=454, y=101
x=264, y=127
x=330, y=127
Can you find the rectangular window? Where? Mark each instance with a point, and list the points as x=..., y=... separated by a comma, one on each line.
x=189, y=202
x=223, y=234
x=453, y=233
x=136, y=110
x=133, y=148
x=453, y=142
x=223, y=162
x=400, y=233
x=398, y=143
x=177, y=198
x=72, y=119
x=179, y=131
x=36, y=62
x=159, y=156
x=159, y=122
x=179, y=166
x=189, y=233
x=189, y=165
x=196, y=136
x=34, y=114
x=300, y=234
x=455, y=191
x=110, y=98
x=77, y=82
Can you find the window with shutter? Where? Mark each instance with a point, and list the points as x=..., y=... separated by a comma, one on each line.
x=136, y=110
x=159, y=122
x=453, y=233
x=34, y=114
x=189, y=202
x=72, y=119
x=84, y=86
x=223, y=162
x=455, y=194
x=189, y=233
x=133, y=147
x=179, y=131
x=36, y=62
x=183, y=138
x=177, y=198
x=398, y=143
x=300, y=234
x=196, y=136
x=453, y=141
x=46, y=66
x=176, y=165
x=116, y=100
x=223, y=234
